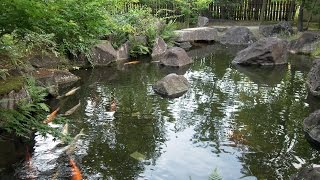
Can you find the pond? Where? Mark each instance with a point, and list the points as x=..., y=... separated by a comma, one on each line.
x=244, y=122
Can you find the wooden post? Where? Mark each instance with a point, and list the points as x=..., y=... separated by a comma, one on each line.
x=263, y=10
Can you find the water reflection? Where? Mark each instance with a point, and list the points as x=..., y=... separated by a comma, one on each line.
x=247, y=123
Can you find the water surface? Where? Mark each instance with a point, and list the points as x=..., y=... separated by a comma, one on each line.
x=244, y=122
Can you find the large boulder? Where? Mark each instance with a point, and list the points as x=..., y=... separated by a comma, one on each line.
x=202, y=21
x=306, y=43
x=159, y=48
x=266, y=51
x=53, y=79
x=171, y=86
x=313, y=80
x=103, y=54
x=307, y=173
x=283, y=27
x=238, y=35
x=44, y=60
x=311, y=125
x=175, y=57
x=196, y=34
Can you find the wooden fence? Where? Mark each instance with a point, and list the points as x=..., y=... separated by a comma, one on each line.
x=237, y=10
x=252, y=9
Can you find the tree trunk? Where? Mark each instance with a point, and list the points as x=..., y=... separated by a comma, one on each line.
x=300, y=16
x=263, y=10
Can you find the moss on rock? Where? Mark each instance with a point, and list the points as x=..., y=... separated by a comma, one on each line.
x=11, y=83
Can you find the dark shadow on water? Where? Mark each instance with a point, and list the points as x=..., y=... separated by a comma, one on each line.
x=264, y=75
x=300, y=62
x=179, y=71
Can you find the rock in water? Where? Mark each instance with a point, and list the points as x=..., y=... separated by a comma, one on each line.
x=313, y=80
x=103, y=54
x=283, y=27
x=171, y=86
x=307, y=173
x=159, y=48
x=306, y=43
x=238, y=35
x=175, y=57
x=311, y=125
x=266, y=51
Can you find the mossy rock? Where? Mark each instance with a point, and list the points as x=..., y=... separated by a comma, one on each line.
x=11, y=83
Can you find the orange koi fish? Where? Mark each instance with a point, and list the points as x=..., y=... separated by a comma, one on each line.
x=51, y=116
x=132, y=62
x=76, y=174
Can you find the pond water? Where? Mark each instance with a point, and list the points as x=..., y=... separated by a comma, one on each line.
x=244, y=122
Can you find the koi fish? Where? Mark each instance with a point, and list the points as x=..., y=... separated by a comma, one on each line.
x=72, y=110
x=76, y=173
x=113, y=106
x=65, y=129
x=132, y=62
x=72, y=145
x=72, y=91
x=51, y=116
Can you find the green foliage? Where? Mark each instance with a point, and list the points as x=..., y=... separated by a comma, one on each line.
x=30, y=113
x=4, y=74
x=72, y=25
x=140, y=22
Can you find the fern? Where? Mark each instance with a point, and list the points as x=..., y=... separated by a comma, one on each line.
x=215, y=175
x=28, y=116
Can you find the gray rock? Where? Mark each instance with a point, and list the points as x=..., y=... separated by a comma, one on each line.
x=44, y=60
x=313, y=80
x=307, y=173
x=238, y=35
x=184, y=45
x=123, y=52
x=266, y=51
x=311, y=125
x=53, y=79
x=283, y=27
x=196, y=34
x=306, y=43
x=103, y=54
x=10, y=100
x=159, y=48
x=202, y=21
x=175, y=57
x=171, y=86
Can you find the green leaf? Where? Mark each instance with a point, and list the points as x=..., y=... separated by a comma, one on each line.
x=44, y=107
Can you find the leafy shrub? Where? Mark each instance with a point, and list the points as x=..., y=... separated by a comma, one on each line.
x=73, y=25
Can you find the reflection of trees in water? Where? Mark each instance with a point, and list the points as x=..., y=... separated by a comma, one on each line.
x=135, y=126
x=266, y=120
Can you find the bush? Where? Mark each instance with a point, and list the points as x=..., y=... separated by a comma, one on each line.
x=74, y=25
